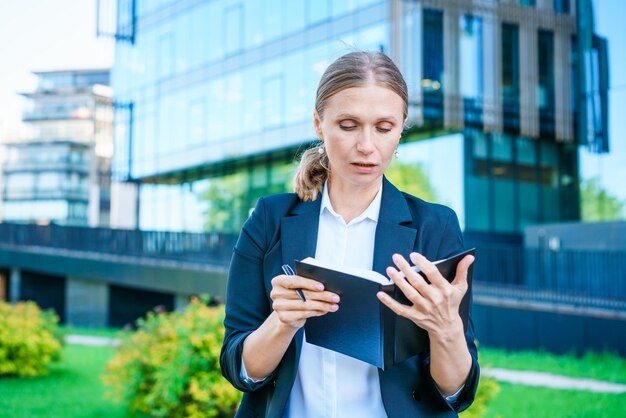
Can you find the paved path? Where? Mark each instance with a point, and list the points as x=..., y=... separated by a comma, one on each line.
x=553, y=381
x=91, y=340
x=528, y=378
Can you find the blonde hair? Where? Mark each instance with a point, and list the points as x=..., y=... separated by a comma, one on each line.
x=350, y=70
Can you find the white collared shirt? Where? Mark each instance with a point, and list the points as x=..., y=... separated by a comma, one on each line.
x=330, y=384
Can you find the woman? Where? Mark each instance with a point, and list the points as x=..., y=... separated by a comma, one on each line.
x=344, y=211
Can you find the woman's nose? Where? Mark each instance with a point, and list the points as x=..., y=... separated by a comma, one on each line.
x=365, y=143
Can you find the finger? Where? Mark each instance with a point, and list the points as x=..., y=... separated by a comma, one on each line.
x=405, y=287
x=294, y=316
x=297, y=282
x=462, y=268
x=280, y=292
x=429, y=269
x=394, y=305
x=416, y=281
x=298, y=305
x=324, y=296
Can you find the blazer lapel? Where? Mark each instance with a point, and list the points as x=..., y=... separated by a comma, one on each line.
x=299, y=232
x=391, y=236
x=299, y=241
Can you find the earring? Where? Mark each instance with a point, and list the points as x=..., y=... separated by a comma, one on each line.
x=321, y=149
x=396, y=154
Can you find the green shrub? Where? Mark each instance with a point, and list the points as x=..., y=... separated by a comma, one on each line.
x=487, y=390
x=169, y=367
x=29, y=339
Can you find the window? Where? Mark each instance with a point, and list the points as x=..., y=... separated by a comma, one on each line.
x=471, y=62
x=165, y=63
x=317, y=11
x=432, y=64
x=197, y=121
x=272, y=96
x=546, y=82
x=432, y=57
x=233, y=28
x=561, y=6
x=510, y=76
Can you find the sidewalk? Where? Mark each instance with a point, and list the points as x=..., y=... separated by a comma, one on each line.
x=528, y=378
x=553, y=381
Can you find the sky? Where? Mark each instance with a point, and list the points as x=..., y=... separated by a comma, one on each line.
x=610, y=169
x=56, y=34
x=40, y=35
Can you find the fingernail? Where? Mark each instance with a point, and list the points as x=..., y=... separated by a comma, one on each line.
x=334, y=308
x=336, y=299
x=319, y=286
x=396, y=257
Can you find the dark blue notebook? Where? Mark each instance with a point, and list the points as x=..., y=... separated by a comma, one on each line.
x=364, y=328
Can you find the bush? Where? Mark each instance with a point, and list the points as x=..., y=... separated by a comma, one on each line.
x=29, y=339
x=487, y=390
x=169, y=367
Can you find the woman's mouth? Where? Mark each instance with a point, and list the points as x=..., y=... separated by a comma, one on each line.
x=364, y=167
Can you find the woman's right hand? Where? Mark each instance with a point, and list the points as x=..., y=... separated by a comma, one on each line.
x=291, y=310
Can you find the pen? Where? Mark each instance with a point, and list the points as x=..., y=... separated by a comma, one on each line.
x=289, y=272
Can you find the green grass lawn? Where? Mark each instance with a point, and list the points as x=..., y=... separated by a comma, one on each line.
x=97, y=332
x=515, y=401
x=601, y=366
x=73, y=388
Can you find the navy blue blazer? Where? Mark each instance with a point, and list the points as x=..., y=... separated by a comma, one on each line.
x=282, y=229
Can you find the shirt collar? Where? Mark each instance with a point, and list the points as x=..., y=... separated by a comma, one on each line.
x=371, y=212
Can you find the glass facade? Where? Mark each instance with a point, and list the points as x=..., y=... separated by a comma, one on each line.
x=209, y=108
x=215, y=102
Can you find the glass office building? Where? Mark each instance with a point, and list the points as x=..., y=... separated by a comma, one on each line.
x=61, y=171
x=214, y=101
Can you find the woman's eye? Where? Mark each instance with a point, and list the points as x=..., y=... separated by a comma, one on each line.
x=347, y=127
x=383, y=130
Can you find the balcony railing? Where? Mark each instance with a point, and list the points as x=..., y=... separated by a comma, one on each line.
x=33, y=166
x=211, y=248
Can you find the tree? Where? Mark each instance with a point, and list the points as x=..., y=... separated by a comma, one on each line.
x=597, y=204
x=412, y=179
x=225, y=198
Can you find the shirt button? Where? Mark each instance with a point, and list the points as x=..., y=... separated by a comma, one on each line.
x=417, y=396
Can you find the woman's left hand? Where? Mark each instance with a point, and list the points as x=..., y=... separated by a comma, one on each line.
x=435, y=306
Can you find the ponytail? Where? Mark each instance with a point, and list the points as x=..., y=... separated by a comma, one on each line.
x=311, y=175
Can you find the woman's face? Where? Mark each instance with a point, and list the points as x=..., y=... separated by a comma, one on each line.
x=361, y=128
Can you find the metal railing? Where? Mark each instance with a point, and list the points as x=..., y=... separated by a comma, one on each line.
x=575, y=277
x=502, y=269
x=211, y=248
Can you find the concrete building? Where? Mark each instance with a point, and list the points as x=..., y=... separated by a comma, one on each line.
x=61, y=172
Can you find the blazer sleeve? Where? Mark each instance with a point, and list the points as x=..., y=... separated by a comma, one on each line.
x=247, y=306
x=452, y=243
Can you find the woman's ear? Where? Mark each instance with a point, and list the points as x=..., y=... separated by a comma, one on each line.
x=317, y=122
